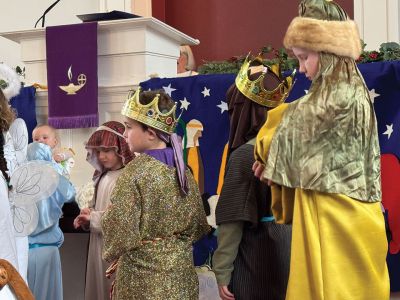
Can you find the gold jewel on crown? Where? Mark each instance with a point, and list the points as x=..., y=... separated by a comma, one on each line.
x=254, y=89
x=150, y=114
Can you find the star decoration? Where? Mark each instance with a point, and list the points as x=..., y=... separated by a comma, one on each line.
x=373, y=95
x=168, y=89
x=184, y=103
x=223, y=106
x=206, y=92
x=389, y=130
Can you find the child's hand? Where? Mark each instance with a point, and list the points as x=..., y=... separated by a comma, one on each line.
x=82, y=221
x=76, y=223
x=224, y=293
x=59, y=157
x=258, y=169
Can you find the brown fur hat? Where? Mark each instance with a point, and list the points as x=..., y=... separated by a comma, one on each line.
x=323, y=26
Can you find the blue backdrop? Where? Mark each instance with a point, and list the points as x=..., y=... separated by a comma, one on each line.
x=202, y=97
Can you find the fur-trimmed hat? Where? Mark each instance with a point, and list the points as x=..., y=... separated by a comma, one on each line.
x=323, y=26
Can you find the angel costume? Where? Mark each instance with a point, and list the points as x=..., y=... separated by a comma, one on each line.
x=15, y=154
x=14, y=249
x=323, y=154
x=107, y=136
x=44, y=268
x=8, y=248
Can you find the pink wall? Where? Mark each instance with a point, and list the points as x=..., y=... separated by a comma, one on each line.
x=229, y=28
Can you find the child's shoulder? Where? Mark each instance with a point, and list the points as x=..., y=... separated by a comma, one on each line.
x=139, y=165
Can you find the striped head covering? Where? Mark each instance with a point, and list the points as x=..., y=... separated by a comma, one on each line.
x=108, y=135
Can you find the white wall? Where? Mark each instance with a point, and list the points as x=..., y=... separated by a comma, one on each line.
x=378, y=21
x=121, y=5
x=22, y=14
x=18, y=15
x=141, y=7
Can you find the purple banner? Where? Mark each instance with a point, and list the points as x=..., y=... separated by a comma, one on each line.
x=71, y=52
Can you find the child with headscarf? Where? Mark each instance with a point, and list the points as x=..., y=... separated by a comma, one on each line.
x=156, y=210
x=321, y=155
x=108, y=153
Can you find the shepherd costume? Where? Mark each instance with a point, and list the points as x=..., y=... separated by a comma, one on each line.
x=107, y=136
x=253, y=252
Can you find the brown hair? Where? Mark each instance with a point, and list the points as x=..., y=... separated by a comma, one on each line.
x=165, y=103
x=7, y=116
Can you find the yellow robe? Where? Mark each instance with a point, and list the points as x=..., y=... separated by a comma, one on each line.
x=339, y=244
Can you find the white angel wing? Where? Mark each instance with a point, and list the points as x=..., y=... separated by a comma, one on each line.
x=25, y=218
x=19, y=136
x=16, y=142
x=32, y=182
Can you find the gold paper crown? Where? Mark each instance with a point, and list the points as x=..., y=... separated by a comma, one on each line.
x=254, y=89
x=150, y=113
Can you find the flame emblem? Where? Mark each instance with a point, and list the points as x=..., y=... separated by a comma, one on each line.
x=72, y=88
x=70, y=73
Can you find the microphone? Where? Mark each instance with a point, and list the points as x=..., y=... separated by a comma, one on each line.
x=43, y=17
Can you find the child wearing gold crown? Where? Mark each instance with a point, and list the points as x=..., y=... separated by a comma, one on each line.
x=321, y=155
x=156, y=210
x=253, y=254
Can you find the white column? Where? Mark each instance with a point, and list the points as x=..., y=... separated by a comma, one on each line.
x=378, y=21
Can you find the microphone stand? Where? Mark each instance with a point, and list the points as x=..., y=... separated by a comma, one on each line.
x=43, y=17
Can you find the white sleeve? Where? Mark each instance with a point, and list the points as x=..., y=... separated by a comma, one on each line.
x=8, y=249
x=95, y=221
x=9, y=153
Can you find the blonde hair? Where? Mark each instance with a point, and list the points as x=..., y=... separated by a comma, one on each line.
x=191, y=63
x=52, y=129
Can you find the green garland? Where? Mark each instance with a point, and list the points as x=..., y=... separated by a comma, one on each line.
x=387, y=52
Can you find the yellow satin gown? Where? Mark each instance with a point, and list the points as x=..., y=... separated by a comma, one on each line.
x=339, y=244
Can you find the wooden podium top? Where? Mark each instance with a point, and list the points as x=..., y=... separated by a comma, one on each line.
x=124, y=24
x=138, y=46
